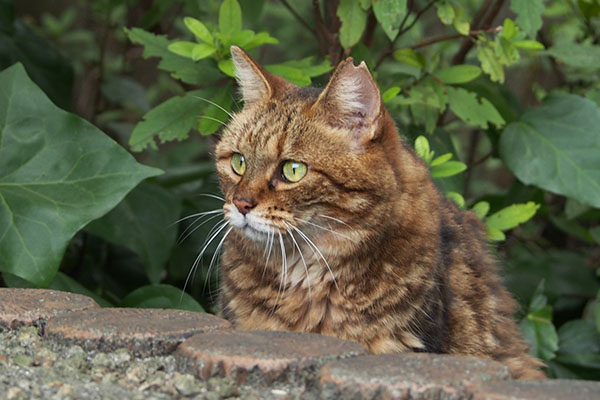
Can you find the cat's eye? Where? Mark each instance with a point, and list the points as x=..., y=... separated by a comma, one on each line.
x=238, y=164
x=293, y=171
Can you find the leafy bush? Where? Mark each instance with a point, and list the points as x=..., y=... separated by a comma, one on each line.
x=501, y=99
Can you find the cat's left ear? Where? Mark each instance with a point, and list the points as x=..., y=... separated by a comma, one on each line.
x=255, y=83
x=351, y=99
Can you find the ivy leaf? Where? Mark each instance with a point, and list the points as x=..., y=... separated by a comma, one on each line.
x=354, y=21
x=171, y=120
x=161, y=296
x=183, y=68
x=230, y=17
x=199, y=30
x=556, y=147
x=576, y=55
x=511, y=216
x=143, y=222
x=489, y=62
x=57, y=173
x=529, y=15
x=449, y=168
x=539, y=332
x=474, y=111
x=389, y=14
x=481, y=209
x=458, y=74
x=182, y=48
x=201, y=51
x=291, y=74
x=445, y=12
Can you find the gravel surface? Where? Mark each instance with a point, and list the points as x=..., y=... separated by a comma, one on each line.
x=34, y=368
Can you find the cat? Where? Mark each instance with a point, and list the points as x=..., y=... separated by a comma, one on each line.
x=335, y=227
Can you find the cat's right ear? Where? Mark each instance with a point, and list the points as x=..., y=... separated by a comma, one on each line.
x=255, y=83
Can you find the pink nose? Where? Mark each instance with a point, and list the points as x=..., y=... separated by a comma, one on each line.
x=244, y=205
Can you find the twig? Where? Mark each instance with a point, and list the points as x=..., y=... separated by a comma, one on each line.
x=467, y=45
x=455, y=36
x=402, y=30
x=299, y=18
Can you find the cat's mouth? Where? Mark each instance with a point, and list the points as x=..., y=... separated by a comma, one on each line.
x=253, y=225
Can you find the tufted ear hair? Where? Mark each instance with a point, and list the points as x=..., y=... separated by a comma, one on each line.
x=352, y=100
x=255, y=83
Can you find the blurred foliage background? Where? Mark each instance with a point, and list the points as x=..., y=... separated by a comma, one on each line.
x=501, y=98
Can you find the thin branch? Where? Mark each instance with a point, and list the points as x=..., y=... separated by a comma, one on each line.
x=456, y=36
x=299, y=18
x=467, y=45
x=402, y=30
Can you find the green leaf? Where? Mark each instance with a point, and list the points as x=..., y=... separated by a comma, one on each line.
x=458, y=74
x=528, y=45
x=445, y=12
x=461, y=22
x=457, y=198
x=201, y=51
x=576, y=55
x=579, y=336
x=230, y=17
x=539, y=332
x=511, y=216
x=441, y=159
x=489, y=62
x=389, y=14
x=509, y=30
x=474, y=111
x=556, y=147
x=495, y=235
x=390, y=93
x=308, y=67
x=422, y=149
x=171, y=120
x=57, y=173
x=481, y=209
x=161, y=296
x=183, y=68
x=199, y=30
x=291, y=74
x=143, y=222
x=226, y=67
x=410, y=57
x=259, y=39
x=354, y=21
x=182, y=48
x=449, y=168
x=529, y=15
x=214, y=117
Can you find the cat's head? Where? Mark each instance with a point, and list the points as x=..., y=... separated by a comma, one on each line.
x=308, y=160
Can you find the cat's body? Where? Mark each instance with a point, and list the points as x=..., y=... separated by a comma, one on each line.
x=363, y=246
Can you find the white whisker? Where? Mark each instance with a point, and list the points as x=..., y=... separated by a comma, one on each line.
x=214, y=196
x=211, y=118
x=207, y=242
x=325, y=229
x=200, y=214
x=302, y=258
x=335, y=219
x=314, y=247
x=184, y=236
x=214, y=104
x=217, y=251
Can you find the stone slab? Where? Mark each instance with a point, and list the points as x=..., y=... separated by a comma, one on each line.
x=408, y=376
x=262, y=356
x=549, y=389
x=27, y=307
x=144, y=332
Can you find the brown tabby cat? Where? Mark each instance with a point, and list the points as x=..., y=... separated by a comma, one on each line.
x=336, y=227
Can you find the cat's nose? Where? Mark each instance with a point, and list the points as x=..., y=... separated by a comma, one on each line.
x=244, y=205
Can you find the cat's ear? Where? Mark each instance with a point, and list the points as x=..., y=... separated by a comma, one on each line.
x=352, y=100
x=255, y=83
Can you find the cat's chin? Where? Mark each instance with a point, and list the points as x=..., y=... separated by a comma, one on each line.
x=254, y=234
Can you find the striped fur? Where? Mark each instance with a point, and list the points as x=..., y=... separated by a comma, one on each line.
x=398, y=267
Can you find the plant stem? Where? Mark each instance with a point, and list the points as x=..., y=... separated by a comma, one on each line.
x=299, y=18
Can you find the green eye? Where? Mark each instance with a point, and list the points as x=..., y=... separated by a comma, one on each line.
x=293, y=171
x=238, y=164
